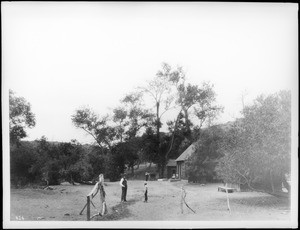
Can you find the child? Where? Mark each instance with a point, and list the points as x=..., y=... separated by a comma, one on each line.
x=146, y=192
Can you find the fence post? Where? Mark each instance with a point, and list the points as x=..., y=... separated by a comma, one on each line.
x=88, y=208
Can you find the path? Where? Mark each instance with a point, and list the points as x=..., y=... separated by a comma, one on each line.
x=65, y=202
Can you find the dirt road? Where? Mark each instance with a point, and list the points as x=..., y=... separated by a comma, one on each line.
x=208, y=204
x=64, y=203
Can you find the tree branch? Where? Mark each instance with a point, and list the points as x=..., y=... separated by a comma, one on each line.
x=93, y=137
x=248, y=182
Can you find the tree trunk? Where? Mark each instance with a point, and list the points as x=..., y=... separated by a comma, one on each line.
x=173, y=136
x=157, y=131
x=162, y=169
x=159, y=169
x=187, y=123
x=132, y=170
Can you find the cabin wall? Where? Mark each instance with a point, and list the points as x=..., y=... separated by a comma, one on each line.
x=171, y=170
x=181, y=170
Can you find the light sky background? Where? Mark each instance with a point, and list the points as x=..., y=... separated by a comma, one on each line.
x=62, y=56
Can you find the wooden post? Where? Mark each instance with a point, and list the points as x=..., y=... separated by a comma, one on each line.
x=181, y=200
x=88, y=208
x=228, y=200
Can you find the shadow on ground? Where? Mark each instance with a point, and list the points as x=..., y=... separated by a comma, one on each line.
x=117, y=212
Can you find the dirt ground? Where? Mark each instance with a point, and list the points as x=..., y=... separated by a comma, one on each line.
x=65, y=202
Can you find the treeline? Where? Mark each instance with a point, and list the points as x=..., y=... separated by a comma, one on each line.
x=129, y=135
x=254, y=150
x=43, y=162
x=132, y=131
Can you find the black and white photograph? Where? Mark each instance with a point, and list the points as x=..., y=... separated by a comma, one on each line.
x=149, y=114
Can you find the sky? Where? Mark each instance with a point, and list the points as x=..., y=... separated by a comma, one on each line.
x=61, y=56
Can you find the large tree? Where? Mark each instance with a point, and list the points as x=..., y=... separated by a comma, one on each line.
x=161, y=91
x=170, y=89
x=130, y=118
x=117, y=134
x=257, y=150
x=20, y=117
x=201, y=100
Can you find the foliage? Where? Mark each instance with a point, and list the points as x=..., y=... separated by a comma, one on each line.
x=171, y=89
x=97, y=127
x=161, y=91
x=21, y=160
x=200, y=166
x=257, y=148
x=148, y=151
x=20, y=117
x=200, y=99
x=125, y=138
x=69, y=159
x=180, y=137
x=41, y=161
x=137, y=116
x=114, y=166
x=95, y=163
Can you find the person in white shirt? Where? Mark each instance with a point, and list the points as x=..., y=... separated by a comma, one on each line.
x=123, y=183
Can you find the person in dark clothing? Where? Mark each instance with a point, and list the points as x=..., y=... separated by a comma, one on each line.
x=123, y=183
x=147, y=176
x=146, y=192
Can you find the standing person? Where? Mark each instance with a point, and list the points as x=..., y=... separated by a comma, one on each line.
x=146, y=192
x=123, y=183
x=102, y=195
x=147, y=176
x=100, y=189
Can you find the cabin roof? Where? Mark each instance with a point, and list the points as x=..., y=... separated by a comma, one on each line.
x=171, y=163
x=187, y=153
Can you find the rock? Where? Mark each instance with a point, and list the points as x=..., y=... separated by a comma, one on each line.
x=67, y=214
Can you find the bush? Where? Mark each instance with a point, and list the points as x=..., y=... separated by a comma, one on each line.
x=21, y=160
